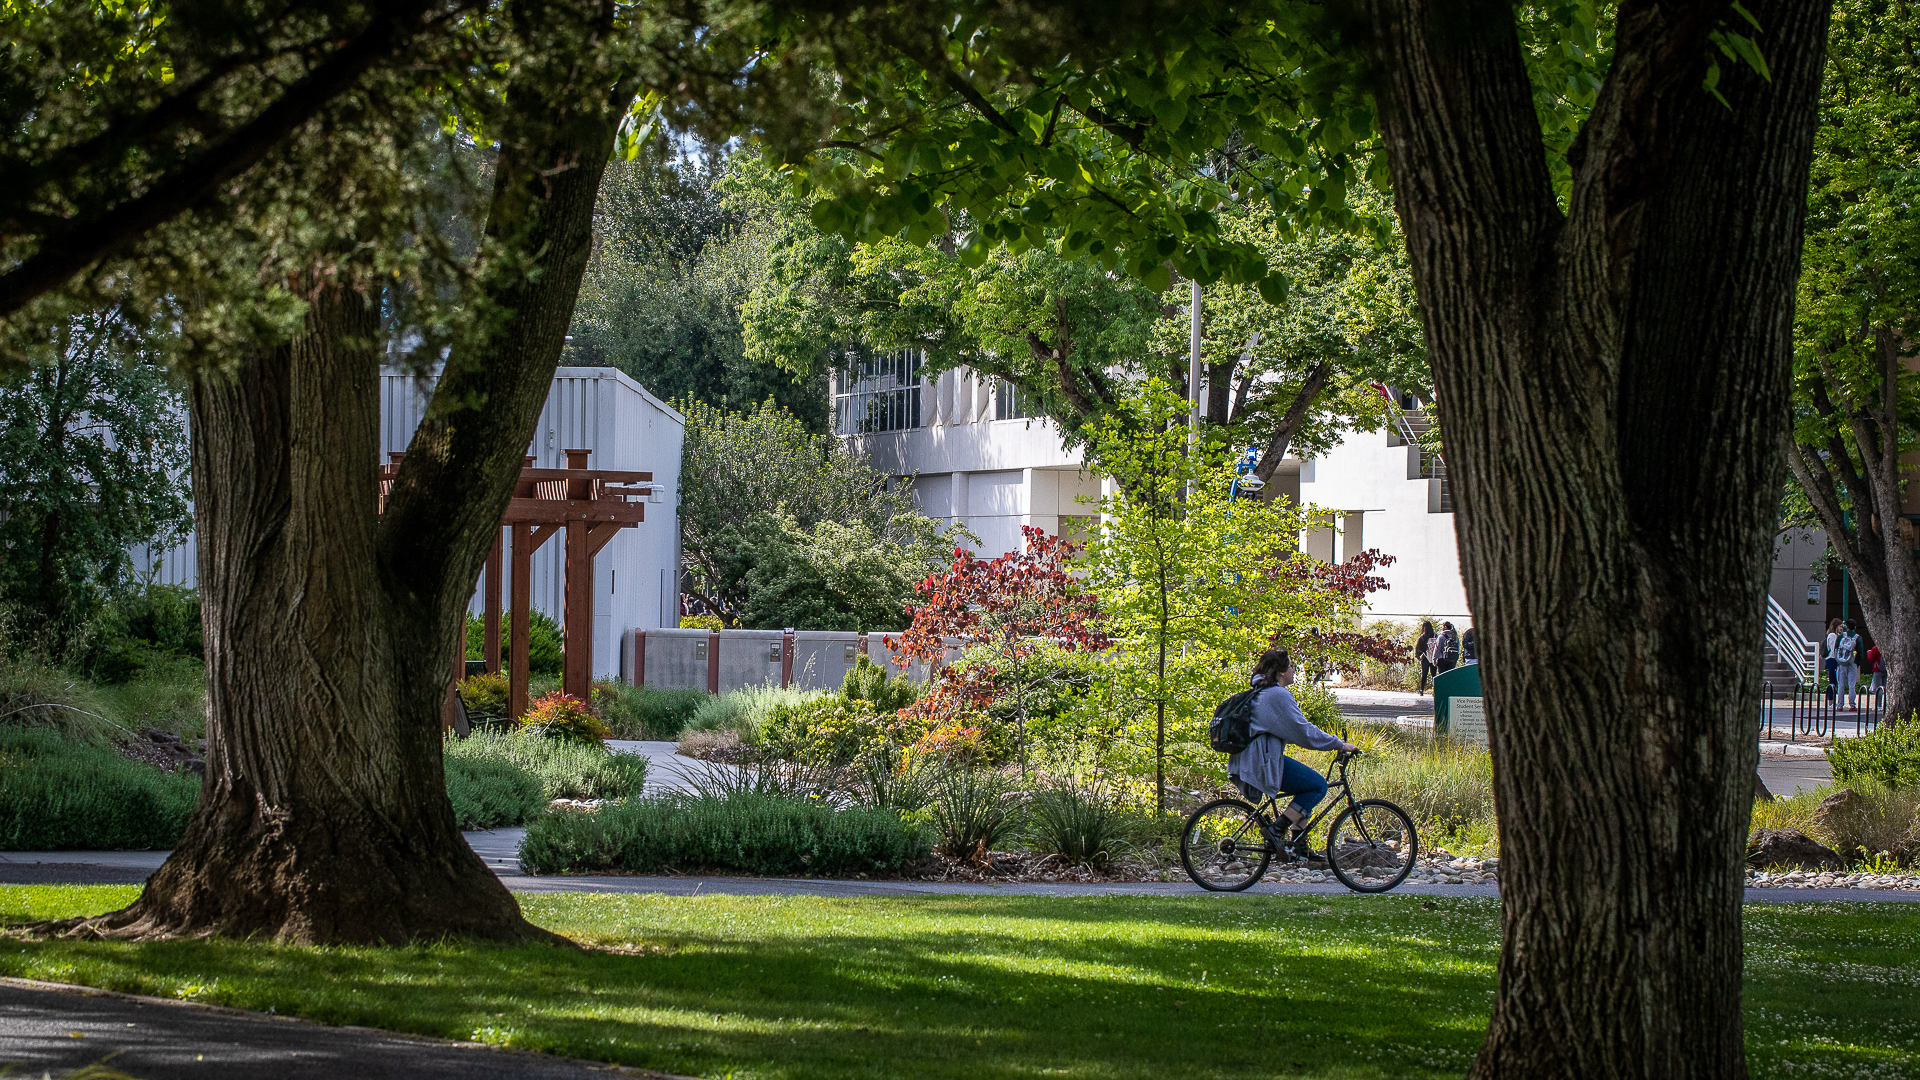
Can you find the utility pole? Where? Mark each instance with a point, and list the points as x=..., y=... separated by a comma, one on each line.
x=1193, y=368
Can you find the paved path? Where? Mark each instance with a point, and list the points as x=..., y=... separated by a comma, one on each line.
x=50, y=1027
x=1786, y=775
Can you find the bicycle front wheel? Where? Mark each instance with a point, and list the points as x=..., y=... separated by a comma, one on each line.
x=1224, y=847
x=1372, y=846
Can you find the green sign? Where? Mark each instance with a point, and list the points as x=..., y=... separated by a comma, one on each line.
x=1460, y=682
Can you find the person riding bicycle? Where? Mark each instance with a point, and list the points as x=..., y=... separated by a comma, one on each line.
x=1264, y=768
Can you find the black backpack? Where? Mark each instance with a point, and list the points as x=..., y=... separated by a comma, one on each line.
x=1232, y=728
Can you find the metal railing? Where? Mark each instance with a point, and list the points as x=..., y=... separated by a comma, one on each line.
x=1811, y=714
x=1790, y=645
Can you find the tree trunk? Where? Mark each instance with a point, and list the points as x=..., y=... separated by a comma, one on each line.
x=324, y=817
x=1872, y=541
x=1615, y=381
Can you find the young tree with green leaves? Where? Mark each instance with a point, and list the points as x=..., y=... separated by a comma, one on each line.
x=1856, y=383
x=1195, y=584
x=96, y=450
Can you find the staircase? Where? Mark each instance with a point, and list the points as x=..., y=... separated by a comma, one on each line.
x=1787, y=657
x=1409, y=426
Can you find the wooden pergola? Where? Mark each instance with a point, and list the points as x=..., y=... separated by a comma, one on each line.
x=590, y=506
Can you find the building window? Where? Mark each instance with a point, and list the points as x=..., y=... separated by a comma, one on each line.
x=1007, y=401
x=879, y=393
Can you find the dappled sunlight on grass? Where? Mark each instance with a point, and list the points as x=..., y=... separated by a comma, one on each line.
x=992, y=986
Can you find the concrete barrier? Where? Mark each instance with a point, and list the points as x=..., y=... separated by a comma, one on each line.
x=822, y=658
x=721, y=660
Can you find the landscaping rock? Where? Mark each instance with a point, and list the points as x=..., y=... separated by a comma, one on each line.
x=1789, y=848
x=1844, y=811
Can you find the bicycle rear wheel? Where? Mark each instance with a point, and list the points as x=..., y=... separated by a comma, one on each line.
x=1372, y=846
x=1224, y=846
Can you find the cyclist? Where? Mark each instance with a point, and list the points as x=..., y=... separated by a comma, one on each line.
x=1264, y=768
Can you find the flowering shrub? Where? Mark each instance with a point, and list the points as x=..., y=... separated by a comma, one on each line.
x=565, y=717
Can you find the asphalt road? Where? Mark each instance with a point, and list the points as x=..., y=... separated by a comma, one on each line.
x=47, y=1027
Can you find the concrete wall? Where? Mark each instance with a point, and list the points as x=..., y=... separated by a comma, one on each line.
x=675, y=658
x=1364, y=482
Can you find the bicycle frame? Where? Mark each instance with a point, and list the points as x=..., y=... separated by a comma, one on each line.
x=1269, y=810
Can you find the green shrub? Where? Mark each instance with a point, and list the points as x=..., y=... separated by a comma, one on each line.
x=168, y=694
x=546, y=643
x=490, y=792
x=1079, y=823
x=829, y=732
x=974, y=809
x=485, y=695
x=59, y=794
x=1889, y=756
x=153, y=626
x=743, y=834
x=564, y=770
x=1319, y=706
x=867, y=681
x=645, y=712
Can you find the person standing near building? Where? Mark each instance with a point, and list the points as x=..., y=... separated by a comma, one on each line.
x=1423, y=652
x=1469, y=654
x=1446, y=649
x=1832, y=665
x=1876, y=673
x=1847, y=654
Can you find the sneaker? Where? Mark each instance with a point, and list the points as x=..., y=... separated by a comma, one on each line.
x=1297, y=849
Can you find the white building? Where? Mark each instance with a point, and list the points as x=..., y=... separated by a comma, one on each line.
x=976, y=458
x=635, y=579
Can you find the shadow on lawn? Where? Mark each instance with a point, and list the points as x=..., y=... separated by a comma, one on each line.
x=991, y=988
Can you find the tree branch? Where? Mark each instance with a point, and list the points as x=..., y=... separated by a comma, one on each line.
x=67, y=252
x=1295, y=416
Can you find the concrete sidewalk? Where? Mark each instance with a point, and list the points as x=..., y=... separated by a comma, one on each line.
x=52, y=1027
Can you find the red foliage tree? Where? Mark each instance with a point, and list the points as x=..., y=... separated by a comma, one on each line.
x=1006, y=610
x=1346, y=585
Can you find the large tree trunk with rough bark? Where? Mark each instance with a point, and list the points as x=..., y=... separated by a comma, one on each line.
x=331, y=627
x=1875, y=542
x=1615, y=383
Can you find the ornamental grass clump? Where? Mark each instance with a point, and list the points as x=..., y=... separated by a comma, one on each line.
x=1079, y=823
x=744, y=833
x=973, y=810
x=645, y=712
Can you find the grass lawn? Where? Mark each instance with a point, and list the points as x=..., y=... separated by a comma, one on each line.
x=1000, y=986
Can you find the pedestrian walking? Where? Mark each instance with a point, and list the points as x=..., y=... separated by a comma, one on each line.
x=1468, y=653
x=1446, y=649
x=1876, y=673
x=1832, y=665
x=1423, y=652
x=1846, y=653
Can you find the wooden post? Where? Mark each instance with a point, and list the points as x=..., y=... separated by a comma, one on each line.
x=520, y=630
x=577, y=677
x=713, y=661
x=639, y=672
x=786, y=659
x=490, y=651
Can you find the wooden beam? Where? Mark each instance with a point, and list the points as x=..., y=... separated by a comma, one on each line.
x=549, y=511
x=611, y=476
x=600, y=534
x=521, y=551
x=577, y=672
x=539, y=537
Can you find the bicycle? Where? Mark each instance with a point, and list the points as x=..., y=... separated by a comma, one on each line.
x=1371, y=847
